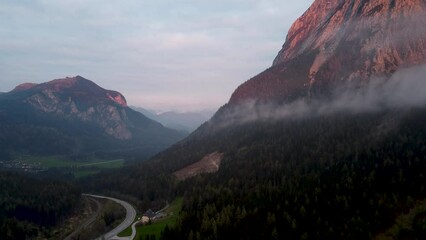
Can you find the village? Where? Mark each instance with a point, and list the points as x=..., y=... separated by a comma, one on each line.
x=150, y=216
x=22, y=166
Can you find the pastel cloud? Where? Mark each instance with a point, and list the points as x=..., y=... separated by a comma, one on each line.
x=191, y=52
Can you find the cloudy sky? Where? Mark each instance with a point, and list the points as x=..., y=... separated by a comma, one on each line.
x=160, y=54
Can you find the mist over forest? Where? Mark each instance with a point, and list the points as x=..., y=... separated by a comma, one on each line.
x=403, y=90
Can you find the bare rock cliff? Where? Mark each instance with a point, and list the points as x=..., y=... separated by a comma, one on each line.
x=343, y=40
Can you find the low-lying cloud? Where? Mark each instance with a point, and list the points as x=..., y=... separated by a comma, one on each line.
x=405, y=89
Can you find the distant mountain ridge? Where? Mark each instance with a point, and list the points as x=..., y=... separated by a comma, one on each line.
x=76, y=108
x=183, y=121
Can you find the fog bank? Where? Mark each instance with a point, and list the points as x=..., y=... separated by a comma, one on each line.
x=405, y=89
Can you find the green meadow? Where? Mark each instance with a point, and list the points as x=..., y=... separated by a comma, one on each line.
x=79, y=169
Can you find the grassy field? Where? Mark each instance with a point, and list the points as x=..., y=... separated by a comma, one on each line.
x=84, y=173
x=104, y=164
x=156, y=227
x=79, y=169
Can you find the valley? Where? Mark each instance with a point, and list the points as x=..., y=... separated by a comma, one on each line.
x=79, y=169
x=39, y=164
x=328, y=142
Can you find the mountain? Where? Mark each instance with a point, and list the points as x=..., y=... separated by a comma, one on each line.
x=337, y=41
x=148, y=113
x=182, y=121
x=76, y=116
x=186, y=121
x=328, y=143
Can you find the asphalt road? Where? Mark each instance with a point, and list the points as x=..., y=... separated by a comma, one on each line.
x=130, y=217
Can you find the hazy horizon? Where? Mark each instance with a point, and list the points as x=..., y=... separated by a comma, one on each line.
x=163, y=55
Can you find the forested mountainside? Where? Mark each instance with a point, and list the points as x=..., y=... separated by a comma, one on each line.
x=344, y=176
x=30, y=207
x=337, y=177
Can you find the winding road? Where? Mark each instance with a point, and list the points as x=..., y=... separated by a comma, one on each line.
x=130, y=217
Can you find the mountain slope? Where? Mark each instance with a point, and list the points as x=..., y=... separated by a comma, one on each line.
x=338, y=41
x=325, y=177
x=75, y=116
x=350, y=173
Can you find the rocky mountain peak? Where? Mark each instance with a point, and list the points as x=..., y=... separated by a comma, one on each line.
x=75, y=87
x=78, y=98
x=339, y=40
x=375, y=24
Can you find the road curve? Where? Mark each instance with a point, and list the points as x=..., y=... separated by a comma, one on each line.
x=130, y=217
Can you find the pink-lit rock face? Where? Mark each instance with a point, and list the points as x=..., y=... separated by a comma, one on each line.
x=77, y=87
x=339, y=40
x=24, y=86
x=117, y=98
x=64, y=83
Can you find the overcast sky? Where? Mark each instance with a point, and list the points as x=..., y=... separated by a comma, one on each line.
x=160, y=54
